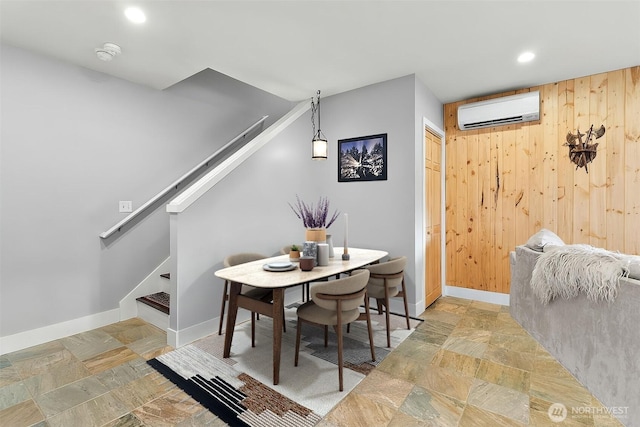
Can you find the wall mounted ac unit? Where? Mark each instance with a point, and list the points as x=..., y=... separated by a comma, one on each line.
x=524, y=107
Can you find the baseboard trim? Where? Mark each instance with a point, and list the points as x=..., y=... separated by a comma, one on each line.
x=477, y=295
x=22, y=340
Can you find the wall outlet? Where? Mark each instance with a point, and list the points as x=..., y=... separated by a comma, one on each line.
x=125, y=206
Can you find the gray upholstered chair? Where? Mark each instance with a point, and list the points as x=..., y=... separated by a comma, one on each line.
x=336, y=303
x=250, y=291
x=387, y=281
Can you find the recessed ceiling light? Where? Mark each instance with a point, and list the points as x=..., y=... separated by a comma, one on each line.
x=526, y=57
x=136, y=15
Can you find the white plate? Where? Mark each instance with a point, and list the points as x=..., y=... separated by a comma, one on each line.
x=276, y=265
x=267, y=267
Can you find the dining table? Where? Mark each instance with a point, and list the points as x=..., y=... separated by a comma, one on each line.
x=257, y=274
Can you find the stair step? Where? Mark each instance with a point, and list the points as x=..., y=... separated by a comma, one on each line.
x=159, y=301
x=166, y=275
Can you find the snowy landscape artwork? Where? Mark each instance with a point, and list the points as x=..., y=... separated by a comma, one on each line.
x=363, y=158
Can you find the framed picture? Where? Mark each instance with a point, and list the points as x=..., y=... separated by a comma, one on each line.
x=363, y=158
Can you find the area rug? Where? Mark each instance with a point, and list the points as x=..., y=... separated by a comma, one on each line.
x=240, y=390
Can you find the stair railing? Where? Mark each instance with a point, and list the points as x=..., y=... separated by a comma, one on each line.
x=211, y=178
x=174, y=185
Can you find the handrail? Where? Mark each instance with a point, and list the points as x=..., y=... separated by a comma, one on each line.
x=207, y=181
x=179, y=181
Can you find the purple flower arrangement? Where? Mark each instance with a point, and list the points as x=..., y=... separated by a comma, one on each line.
x=314, y=217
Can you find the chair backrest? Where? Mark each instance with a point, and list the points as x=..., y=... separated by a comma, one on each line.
x=241, y=258
x=393, y=267
x=352, y=284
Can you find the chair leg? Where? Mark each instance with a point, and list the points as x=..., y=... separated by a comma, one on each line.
x=368, y=316
x=224, y=303
x=386, y=313
x=298, y=333
x=326, y=336
x=406, y=305
x=379, y=302
x=339, y=333
x=284, y=321
x=253, y=329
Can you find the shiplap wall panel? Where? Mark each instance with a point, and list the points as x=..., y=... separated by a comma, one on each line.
x=549, y=145
x=565, y=180
x=598, y=175
x=449, y=197
x=632, y=162
x=473, y=223
x=581, y=212
x=505, y=183
x=485, y=233
x=494, y=202
x=460, y=209
x=505, y=236
x=615, y=160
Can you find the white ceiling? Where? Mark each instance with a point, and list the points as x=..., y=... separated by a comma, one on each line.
x=458, y=49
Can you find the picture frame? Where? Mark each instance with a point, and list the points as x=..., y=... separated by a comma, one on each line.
x=363, y=158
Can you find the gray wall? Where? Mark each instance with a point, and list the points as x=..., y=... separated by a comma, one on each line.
x=248, y=210
x=74, y=143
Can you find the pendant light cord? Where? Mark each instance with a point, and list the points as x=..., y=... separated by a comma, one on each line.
x=315, y=107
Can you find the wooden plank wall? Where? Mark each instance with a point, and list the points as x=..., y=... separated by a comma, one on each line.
x=505, y=183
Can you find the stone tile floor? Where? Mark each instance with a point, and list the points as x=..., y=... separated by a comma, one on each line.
x=468, y=364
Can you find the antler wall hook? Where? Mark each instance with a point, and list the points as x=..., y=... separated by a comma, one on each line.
x=582, y=151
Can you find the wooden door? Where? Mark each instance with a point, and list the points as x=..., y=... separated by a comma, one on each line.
x=433, y=206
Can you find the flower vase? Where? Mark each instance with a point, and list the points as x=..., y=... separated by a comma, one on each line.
x=318, y=235
x=330, y=243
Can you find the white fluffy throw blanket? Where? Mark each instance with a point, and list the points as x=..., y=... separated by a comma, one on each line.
x=567, y=270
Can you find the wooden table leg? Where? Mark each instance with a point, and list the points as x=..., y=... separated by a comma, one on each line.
x=232, y=312
x=278, y=307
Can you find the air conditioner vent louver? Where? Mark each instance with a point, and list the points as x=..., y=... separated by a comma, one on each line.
x=506, y=110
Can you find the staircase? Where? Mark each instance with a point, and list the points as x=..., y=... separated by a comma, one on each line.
x=159, y=301
x=130, y=305
x=154, y=308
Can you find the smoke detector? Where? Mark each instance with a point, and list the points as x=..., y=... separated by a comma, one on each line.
x=108, y=51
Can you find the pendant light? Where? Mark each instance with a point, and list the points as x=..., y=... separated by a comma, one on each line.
x=319, y=145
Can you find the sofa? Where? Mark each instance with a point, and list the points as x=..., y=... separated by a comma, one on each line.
x=597, y=342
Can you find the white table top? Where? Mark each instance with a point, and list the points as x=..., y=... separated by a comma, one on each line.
x=252, y=273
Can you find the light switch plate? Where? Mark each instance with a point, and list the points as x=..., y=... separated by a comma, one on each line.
x=125, y=206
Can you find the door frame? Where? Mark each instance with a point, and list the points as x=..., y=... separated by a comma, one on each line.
x=427, y=124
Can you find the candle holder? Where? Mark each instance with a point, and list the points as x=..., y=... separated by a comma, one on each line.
x=345, y=254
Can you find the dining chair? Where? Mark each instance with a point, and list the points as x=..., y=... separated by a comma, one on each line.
x=387, y=281
x=336, y=303
x=262, y=294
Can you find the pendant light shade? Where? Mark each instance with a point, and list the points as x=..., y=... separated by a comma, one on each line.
x=319, y=145
x=319, y=149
